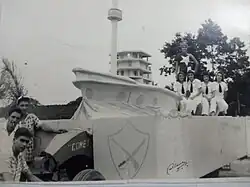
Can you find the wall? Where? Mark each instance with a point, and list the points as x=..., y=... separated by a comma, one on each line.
x=172, y=148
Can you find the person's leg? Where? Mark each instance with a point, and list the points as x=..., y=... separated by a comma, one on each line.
x=205, y=106
x=192, y=105
x=197, y=106
x=213, y=106
x=183, y=105
x=222, y=106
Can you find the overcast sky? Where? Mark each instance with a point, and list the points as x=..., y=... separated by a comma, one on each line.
x=55, y=36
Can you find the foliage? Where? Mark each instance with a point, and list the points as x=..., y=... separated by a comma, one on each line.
x=209, y=45
x=11, y=83
x=12, y=79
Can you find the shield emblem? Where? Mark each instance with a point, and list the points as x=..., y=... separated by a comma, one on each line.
x=128, y=149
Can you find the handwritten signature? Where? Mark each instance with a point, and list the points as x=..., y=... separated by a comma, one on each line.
x=176, y=167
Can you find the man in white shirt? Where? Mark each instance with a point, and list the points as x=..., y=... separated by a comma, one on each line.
x=220, y=92
x=6, y=135
x=207, y=93
x=194, y=92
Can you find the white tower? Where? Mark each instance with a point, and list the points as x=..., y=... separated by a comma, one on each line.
x=114, y=15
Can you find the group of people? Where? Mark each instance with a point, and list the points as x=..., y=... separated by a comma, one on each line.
x=17, y=142
x=210, y=95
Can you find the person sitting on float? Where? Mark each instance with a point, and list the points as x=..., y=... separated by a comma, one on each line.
x=180, y=87
x=193, y=93
x=220, y=93
x=207, y=93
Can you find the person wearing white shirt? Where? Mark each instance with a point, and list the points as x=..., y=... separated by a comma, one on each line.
x=193, y=92
x=6, y=135
x=207, y=93
x=218, y=102
x=180, y=87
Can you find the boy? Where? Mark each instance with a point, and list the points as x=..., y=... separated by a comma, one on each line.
x=12, y=165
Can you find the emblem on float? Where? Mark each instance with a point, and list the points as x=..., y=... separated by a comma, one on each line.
x=128, y=150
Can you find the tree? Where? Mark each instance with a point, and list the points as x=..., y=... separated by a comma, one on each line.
x=14, y=87
x=11, y=83
x=211, y=45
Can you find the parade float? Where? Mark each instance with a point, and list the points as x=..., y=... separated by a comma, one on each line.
x=126, y=133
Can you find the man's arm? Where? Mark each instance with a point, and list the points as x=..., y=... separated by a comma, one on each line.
x=31, y=177
x=45, y=127
x=28, y=174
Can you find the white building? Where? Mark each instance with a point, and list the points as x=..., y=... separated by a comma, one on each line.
x=136, y=65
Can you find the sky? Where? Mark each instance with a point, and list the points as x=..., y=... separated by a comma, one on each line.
x=48, y=38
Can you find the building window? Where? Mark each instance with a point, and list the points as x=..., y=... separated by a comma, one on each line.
x=117, y=72
x=129, y=63
x=141, y=73
x=134, y=55
x=122, y=72
x=135, y=73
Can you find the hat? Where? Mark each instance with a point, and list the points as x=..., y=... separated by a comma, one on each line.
x=22, y=98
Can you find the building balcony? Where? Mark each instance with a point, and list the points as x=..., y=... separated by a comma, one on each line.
x=130, y=58
x=136, y=53
x=144, y=71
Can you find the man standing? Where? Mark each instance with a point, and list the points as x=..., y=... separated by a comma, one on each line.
x=12, y=165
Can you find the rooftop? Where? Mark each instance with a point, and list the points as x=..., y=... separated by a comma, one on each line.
x=142, y=54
